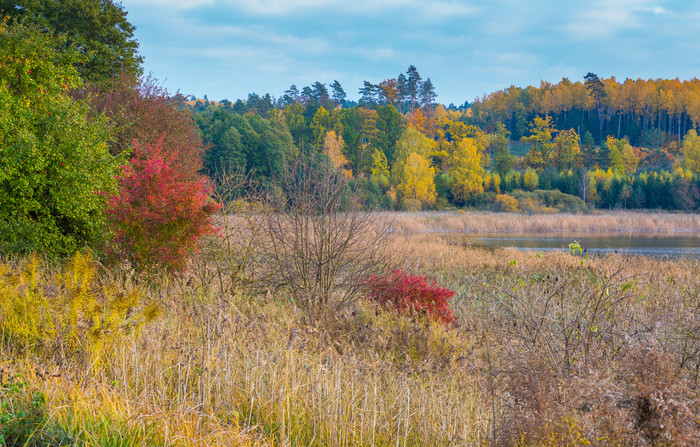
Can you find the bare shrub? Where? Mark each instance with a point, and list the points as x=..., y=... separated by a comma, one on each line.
x=228, y=260
x=572, y=318
x=319, y=245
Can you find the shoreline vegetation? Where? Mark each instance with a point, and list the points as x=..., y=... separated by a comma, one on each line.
x=478, y=222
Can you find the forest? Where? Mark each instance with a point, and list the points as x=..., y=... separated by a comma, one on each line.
x=596, y=144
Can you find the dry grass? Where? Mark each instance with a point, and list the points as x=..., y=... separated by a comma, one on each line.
x=231, y=365
x=602, y=222
x=233, y=369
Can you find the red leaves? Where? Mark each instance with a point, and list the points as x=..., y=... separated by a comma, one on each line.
x=160, y=213
x=412, y=294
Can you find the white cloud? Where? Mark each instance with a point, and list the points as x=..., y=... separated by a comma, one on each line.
x=378, y=54
x=429, y=10
x=604, y=18
x=179, y=4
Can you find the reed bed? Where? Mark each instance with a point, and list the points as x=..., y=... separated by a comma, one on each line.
x=488, y=222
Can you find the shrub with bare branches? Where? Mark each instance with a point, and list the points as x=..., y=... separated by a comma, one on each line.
x=319, y=243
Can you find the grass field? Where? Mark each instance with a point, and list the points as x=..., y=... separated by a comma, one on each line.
x=550, y=349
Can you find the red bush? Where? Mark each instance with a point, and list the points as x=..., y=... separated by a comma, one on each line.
x=159, y=214
x=412, y=294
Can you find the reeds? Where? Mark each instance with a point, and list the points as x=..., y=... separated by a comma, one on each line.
x=601, y=222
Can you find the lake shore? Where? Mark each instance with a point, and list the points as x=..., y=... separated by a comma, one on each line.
x=490, y=222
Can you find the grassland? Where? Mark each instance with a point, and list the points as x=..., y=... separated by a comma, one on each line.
x=550, y=349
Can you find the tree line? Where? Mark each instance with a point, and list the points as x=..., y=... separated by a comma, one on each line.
x=648, y=112
x=407, y=151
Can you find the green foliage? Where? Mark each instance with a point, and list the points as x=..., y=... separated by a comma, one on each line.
x=252, y=143
x=66, y=313
x=538, y=156
x=54, y=161
x=548, y=201
x=503, y=160
x=390, y=130
x=98, y=30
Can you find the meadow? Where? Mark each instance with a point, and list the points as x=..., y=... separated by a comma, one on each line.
x=549, y=349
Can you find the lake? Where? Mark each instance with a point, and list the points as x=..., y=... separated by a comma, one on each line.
x=674, y=246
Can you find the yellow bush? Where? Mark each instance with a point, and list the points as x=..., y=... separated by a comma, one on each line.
x=67, y=312
x=506, y=203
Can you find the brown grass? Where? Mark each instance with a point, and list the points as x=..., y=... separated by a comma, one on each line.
x=487, y=222
x=230, y=365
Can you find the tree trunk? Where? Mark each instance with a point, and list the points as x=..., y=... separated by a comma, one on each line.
x=619, y=124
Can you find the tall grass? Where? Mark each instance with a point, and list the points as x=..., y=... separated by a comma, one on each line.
x=613, y=359
x=601, y=222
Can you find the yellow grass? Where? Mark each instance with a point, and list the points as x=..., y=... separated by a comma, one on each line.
x=487, y=222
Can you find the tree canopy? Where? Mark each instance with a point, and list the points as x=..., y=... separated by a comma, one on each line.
x=97, y=29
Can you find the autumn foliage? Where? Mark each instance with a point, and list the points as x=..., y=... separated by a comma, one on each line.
x=159, y=214
x=412, y=294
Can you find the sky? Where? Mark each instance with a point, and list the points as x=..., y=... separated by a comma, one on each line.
x=226, y=49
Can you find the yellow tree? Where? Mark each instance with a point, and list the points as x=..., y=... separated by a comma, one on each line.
x=621, y=155
x=319, y=125
x=691, y=151
x=419, y=180
x=530, y=179
x=466, y=173
x=411, y=141
x=333, y=146
x=567, y=151
x=541, y=139
x=380, y=169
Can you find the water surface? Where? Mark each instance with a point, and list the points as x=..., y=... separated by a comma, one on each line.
x=681, y=245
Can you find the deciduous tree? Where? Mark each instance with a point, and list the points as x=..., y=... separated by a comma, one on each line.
x=418, y=180
x=691, y=151
x=333, y=146
x=465, y=172
x=99, y=30
x=54, y=158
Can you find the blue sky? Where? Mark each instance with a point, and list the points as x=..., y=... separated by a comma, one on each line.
x=229, y=48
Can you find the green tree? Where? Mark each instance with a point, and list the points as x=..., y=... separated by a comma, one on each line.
x=320, y=125
x=596, y=88
x=389, y=130
x=499, y=147
x=54, y=158
x=567, y=152
x=99, y=30
x=621, y=155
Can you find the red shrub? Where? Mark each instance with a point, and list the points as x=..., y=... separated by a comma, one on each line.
x=159, y=214
x=412, y=293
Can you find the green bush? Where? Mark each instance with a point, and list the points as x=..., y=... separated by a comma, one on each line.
x=54, y=160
